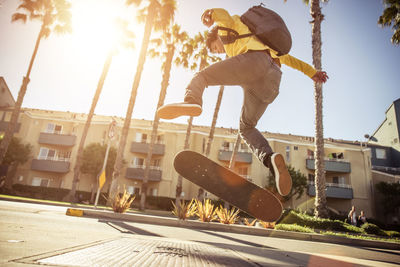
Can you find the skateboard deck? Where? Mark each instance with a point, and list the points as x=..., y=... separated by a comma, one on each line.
x=227, y=185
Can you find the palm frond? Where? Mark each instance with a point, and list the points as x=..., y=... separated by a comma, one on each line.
x=19, y=16
x=133, y=2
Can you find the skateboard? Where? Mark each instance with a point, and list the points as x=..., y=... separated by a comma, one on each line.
x=227, y=185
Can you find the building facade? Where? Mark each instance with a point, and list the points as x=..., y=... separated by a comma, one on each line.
x=55, y=138
x=385, y=158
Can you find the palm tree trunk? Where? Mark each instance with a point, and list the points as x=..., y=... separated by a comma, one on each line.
x=214, y=121
x=142, y=58
x=186, y=146
x=233, y=159
x=320, y=195
x=9, y=133
x=71, y=196
x=234, y=152
x=164, y=86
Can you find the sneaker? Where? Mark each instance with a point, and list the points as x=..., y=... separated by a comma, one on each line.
x=281, y=174
x=172, y=111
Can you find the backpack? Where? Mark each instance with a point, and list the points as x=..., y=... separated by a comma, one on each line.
x=267, y=25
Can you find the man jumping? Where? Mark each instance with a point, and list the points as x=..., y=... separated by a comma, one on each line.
x=256, y=68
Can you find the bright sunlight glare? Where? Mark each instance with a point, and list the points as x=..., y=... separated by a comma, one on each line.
x=94, y=26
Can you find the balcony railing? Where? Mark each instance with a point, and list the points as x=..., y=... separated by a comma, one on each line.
x=139, y=147
x=341, y=191
x=47, y=165
x=57, y=139
x=245, y=157
x=138, y=173
x=331, y=165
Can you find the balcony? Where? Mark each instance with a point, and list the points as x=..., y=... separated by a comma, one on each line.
x=138, y=173
x=341, y=191
x=4, y=126
x=57, y=139
x=138, y=147
x=47, y=165
x=245, y=157
x=331, y=165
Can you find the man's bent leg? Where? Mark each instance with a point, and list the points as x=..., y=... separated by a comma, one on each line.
x=252, y=111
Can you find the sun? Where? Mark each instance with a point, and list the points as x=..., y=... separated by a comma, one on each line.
x=94, y=27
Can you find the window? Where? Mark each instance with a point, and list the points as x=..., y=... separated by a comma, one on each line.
x=54, y=128
x=310, y=154
x=380, y=153
x=338, y=180
x=243, y=147
x=48, y=154
x=156, y=162
x=225, y=146
x=64, y=155
x=160, y=139
x=133, y=190
x=243, y=171
x=37, y=181
x=296, y=148
x=153, y=192
x=288, y=154
x=311, y=178
x=137, y=162
x=141, y=137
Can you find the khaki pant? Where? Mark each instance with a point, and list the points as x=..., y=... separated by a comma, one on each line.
x=259, y=76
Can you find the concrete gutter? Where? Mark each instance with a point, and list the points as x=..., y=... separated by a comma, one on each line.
x=233, y=228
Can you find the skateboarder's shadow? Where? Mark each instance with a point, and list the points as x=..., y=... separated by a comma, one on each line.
x=248, y=243
x=125, y=228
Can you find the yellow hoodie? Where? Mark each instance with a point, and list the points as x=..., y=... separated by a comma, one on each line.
x=240, y=46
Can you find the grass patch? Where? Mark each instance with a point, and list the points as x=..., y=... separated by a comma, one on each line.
x=294, y=228
x=363, y=237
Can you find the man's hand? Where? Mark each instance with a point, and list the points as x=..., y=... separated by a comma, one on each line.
x=206, y=18
x=320, y=77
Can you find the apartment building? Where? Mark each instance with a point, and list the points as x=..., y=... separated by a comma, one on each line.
x=385, y=158
x=55, y=136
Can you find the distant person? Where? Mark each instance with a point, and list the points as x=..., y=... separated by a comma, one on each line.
x=362, y=219
x=353, y=216
x=255, y=67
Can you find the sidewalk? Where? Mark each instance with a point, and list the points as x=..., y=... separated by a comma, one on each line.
x=165, y=218
x=233, y=228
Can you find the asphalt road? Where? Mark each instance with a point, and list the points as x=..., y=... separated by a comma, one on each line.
x=30, y=233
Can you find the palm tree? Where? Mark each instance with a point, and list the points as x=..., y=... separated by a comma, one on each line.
x=197, y=49
x=320, y=193
x=163, y=9
x=214, y=121
x=55, y=16
x=125, y=39
x=171, y=38
x=391, y=15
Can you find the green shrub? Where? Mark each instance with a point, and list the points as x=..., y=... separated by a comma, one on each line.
x=372, y=229
x=392, y=234
x=352, y=229
x=302, y=219
x=293, y=228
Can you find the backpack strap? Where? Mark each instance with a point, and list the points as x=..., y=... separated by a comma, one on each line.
x=231, y=36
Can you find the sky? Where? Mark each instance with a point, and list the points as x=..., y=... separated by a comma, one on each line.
x=362, y=63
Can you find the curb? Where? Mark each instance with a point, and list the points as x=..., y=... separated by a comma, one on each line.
x=233, y=228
